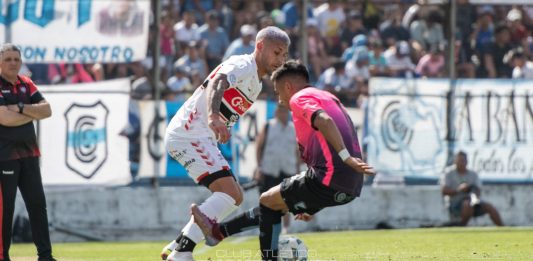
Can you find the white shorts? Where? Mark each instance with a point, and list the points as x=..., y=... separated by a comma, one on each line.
x=199, y=156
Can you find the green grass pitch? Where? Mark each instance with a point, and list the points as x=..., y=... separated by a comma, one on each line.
x=477, y=243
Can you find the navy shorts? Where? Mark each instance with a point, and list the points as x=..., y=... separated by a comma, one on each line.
x=305, y=194
x=457, y=207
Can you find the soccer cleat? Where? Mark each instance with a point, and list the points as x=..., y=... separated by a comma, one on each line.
x=209, y=227
x=168, y=249
x=180, y=256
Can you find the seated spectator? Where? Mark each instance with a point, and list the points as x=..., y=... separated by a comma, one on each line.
x=198, y=8
x=431, y=65
x=214, y=40
x=244, y=44
x=463, y=60
x=357, y=41
x=192, y=60
x=316, y=50
x=167, y=53
x=494, y=52
x=377, y=64
x=334, y=78
x=398, y=59
x=357, y=68
x=185, y=31
x=330, y=16
x=179, y=84
x=95, y=70
x=354, y=27
x=484, y=28
x=523, y=68
x=292, y=11
x=68, y=73
x=427, y=31
x=518, y=31
x=392, y=30
x=462, y=189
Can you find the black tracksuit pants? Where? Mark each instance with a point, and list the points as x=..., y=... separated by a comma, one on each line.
x=26, y=175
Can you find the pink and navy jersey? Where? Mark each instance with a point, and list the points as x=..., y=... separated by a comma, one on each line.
x=317, y=153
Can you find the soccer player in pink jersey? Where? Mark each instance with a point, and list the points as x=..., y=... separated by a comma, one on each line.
x=328, y=145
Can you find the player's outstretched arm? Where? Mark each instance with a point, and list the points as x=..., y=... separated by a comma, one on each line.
x=325, y=124
x=215, y=92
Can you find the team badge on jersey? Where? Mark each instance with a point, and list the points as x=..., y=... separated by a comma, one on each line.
x=232, y=79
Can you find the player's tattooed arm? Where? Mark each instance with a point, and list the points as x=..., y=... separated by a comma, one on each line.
x=215, y=92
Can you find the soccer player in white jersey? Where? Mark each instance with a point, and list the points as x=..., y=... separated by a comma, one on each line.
x=206, y=118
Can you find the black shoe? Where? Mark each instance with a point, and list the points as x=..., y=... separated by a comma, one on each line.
x=46, y=259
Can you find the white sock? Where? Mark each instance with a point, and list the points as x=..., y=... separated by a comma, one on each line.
x=193, y=232
x=172, y=245
x=218, y=206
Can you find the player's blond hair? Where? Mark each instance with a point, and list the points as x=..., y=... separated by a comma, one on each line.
x=273, y=33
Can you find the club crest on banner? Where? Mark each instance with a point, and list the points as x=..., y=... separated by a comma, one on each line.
x=86, y=146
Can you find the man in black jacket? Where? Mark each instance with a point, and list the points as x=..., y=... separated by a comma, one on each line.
x=20, y=104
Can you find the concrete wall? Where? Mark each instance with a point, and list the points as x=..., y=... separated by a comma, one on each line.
x=146, y=214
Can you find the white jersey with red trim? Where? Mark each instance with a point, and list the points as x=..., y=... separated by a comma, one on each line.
x=191, y=118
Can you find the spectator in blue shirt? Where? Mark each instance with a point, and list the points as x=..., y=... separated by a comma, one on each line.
x=193, y=61
x=243, y=45
x=358, y=41
x=292, y=13
x=215, y=39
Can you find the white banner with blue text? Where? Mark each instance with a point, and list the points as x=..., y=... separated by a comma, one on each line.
x=414, y=128
x=76, y=31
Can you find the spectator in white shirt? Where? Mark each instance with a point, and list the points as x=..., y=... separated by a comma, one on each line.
x=523, y=68
x=399, y=60
x=186, y=31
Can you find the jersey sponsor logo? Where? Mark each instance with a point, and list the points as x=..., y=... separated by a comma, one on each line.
x=8, y=172
x=86, y=146
x=6, y=91
x=236, y=101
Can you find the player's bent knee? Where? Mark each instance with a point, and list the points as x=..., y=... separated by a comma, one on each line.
x=237, y=196
x=265, y=200
x=271, y=198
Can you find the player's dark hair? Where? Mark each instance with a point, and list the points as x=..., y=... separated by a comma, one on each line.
x=462, y=154
x=291, y=68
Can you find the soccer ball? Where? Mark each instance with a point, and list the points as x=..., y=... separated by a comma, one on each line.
x=291, y=249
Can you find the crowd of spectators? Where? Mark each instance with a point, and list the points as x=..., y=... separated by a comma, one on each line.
x=348, y=42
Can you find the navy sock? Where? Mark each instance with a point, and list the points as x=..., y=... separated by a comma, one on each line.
x=270, y=228
x=245, y=221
